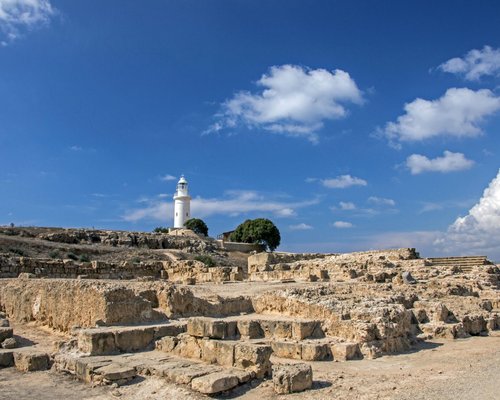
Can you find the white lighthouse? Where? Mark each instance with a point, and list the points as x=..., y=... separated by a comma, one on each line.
x=182, y=204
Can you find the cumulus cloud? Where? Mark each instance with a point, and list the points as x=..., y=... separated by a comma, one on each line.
x=475, y=64
x=381, y=201
x=479, y=231
x=168, y=177
x=18, y=16
x=300, y=227
x=342, y=182
x=233, y=204
x=342, y=224
x=449, y=162
x=294, y=101
x=347, y=205
x=459, y=113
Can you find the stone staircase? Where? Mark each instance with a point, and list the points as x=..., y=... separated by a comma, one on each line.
x=466, y=263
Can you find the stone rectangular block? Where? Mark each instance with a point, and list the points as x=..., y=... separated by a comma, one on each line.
x=292, y=378
x=96, y=343
x=31, y=361
x=215, y=383
x=6, y=359
x=253, y=357
x=219, y=352
x=291, y=350
x=250, y=329
x=345, y=351
x=316, y=352
x=306, y=329
x=5, y=333
x=130, y=340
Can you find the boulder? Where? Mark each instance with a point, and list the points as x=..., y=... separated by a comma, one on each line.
x=407, y=278
x=6, y=333
x=254, y=358
x=290, y=378
x=9, y=343
x=6, y=359
x=215, y=383
x=31, y=361
x=4, y=323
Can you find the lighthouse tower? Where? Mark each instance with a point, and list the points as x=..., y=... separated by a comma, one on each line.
x=182, y=203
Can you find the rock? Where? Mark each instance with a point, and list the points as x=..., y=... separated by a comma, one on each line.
x=6, y=359
x=9, y=343
x=253, y=357
x=290, y=378
x=215, y=383
x=5, y=333
x=345, y=351
x=31, y=361
x=316, y=352
x=250, y=329
x=291, y=350
x=219, y=352
x=26, y=275
x=407, y=278
x=116, y=372
x=4, y=323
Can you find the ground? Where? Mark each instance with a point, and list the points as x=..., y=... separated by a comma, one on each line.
x=437, y=369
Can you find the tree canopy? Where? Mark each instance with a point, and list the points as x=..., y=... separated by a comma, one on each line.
x=260, y=230
x=197, y=225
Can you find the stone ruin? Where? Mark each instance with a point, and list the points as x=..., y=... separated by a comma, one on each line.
x=151, y=304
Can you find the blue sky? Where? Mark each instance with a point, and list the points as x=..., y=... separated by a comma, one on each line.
x=351, y=124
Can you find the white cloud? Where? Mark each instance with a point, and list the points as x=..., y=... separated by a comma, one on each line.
x=235, y=203
x=475, y=64
x=294, y=101
x=342, y=182
x=17, y=16
x=300, y=227
x=449, y=162
x=342, y=225
x=479, y=231
x=168, y=177
x=347, y=205
x=381, y=201
x=76, y=148
x=458, y=113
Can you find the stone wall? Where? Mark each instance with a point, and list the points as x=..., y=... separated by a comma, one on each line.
x=242, y=247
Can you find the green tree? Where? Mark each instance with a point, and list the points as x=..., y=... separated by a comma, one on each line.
x=197, y=225
x=261, y=231
x=160, y=229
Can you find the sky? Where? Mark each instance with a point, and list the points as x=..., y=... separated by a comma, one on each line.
x=352, y=125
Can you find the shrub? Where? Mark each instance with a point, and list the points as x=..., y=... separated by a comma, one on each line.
x=207, y=260
x=72, y=256
x=84, y=258
x=19, y=252
x=54, y=254
x=160, y=229
x=197, y=225
x=260, y=231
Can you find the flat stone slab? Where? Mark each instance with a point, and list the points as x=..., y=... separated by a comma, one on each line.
x=31, y=361
x=115, y=372
x=290, y=378
x=215, y=383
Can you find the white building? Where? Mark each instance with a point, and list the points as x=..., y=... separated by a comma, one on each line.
x=182, y=204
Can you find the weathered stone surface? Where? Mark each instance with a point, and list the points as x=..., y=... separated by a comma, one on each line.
x=250, y=329
x=167, y=344
x=115, y=372
x=408, y=278
x=5, y=333
x=291, y=350
x=211, y=328
x=316, y=352
x=6, y=359
x=215, y=383
x=345, y=351
x=253, y=357
x=9, y=343
x=306, y=329
x=186, y=374
x=95, y=342
x=219, y=352
x=292, y=378
x=129, y=340
x=31, y=361
x=188, y=346
x=4, y=323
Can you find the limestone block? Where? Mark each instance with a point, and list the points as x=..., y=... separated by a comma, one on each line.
x=188, y=347
x=250, y=329
x=185, y=375
x=474, y=324
x=277, y=329
x=4, y=323
x=9, y=343
x=243, y=376
x=95, y=342
x=219, y=352
x=291, y=350
x=306, y=329
x=210, y=327
x=31, y=361
x=316, y=352
x=167, y=344
x=491, y=324
x=130, y=340
x=345, y=351
x=5, y=333
x=253, y=357
x=292, y=378
x=115, y=372
x=6, y=359
x=215, y=383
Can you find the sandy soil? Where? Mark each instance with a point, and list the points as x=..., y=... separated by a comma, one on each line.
x=444, y=369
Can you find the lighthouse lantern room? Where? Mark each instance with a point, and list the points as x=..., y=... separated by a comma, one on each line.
x=182, y=203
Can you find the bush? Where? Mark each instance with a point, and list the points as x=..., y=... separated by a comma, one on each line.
x=54, y=254
x=160, y=229
x=260, y=231
x=19, y=252
x=207, y=260
x=197, y=225
x=84, y=258
x=72, y=256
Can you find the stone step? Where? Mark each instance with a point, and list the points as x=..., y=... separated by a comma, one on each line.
x=124, y=339
x=201, y=377
x=254, y=326
x=459, y=261
x=316, y=350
